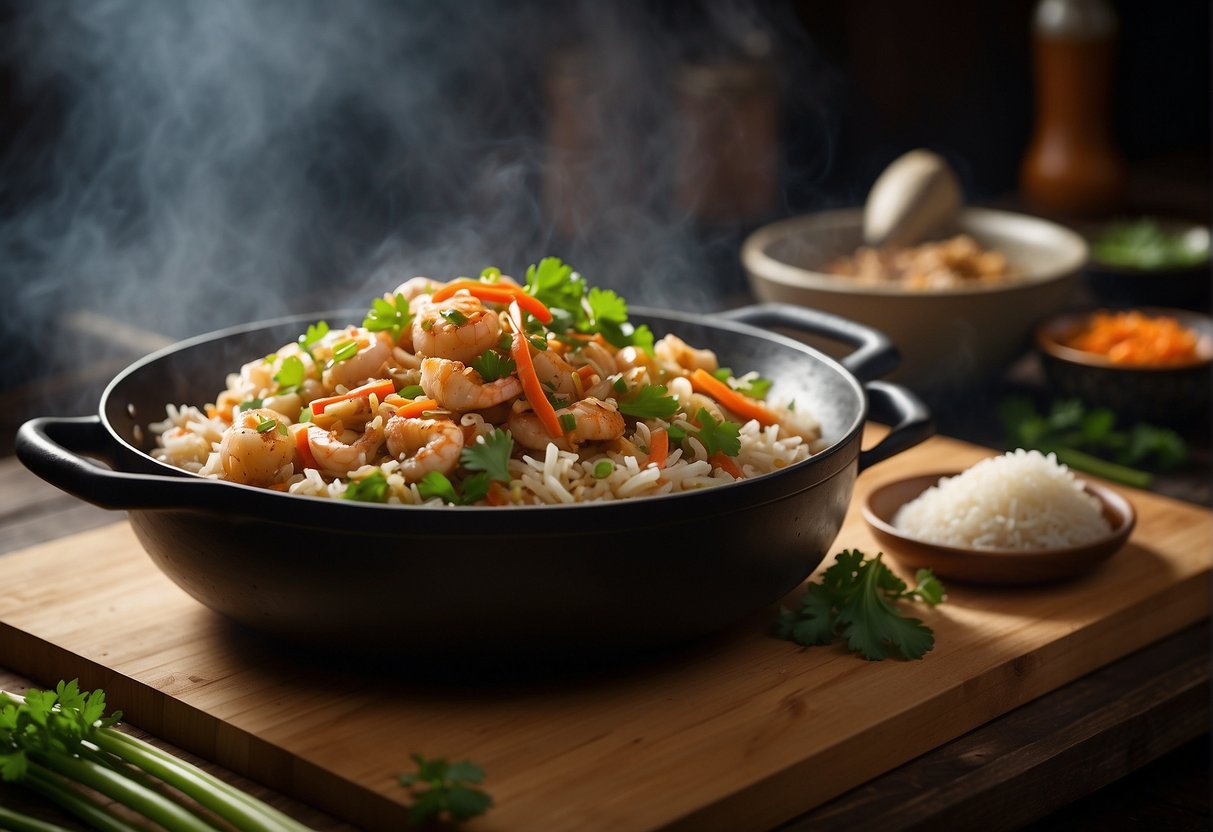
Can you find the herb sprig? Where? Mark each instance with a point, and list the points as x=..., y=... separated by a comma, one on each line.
x=444, y=790
x=855, y=601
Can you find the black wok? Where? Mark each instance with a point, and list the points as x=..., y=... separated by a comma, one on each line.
x=631, y=574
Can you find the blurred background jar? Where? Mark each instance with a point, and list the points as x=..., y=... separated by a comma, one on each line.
x=1072, y=165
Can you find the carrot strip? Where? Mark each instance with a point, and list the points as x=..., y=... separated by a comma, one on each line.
x=520, y=351
x=659, y=447
x=382, y=388
x=726, y=463
x=586, y=371
x=497, y=496
x=303, y=451
x=743, y=406
x=496, y=293
x=415, y=408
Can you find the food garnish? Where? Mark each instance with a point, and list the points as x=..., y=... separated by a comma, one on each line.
x=1134, y=338
x=739, y=403
x=1088, y=439
x=855, y=601
x=391, y=317
x=445, y=791
x=61, y=744
x=1144, y=244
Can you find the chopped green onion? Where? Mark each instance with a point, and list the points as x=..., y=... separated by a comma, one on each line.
x=345, y=350
x=266, y=425
x=603, y=469
x=250, y=404
x=620, y=385
x=454, y=317
x=305, y=414
x=568, y=422
x=427, y=324
x=539, y=343
x=413, y=391
x=490, y=274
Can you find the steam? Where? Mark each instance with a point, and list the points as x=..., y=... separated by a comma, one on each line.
x=193, y=165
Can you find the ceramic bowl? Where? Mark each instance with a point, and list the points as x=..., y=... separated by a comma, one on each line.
x=993, y=566
x=1176, y=395
x=1186, y=286
x=947, y=337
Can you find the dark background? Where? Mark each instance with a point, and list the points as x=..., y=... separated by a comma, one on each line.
x=181, y=167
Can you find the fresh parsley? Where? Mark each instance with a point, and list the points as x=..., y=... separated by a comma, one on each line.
x=575, y=306
x=314, y=333
x=855, y=601
x=489, y=453
x=651, y=401
x=372, y=488
x=722, y=437
x=492, y=365
x=290, y=374
x=445, y=791
x=392, y=317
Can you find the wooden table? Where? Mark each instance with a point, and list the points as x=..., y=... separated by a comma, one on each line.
x=1149, y=711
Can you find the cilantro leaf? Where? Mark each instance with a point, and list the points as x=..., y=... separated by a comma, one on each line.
x=555, y=283
x=446, y=789
x=314, y=333
x=475, y=488
x=490, y=453
x=370, y=489
x=492, y=365
x=435, y=484
x=718, y=437
x=650, y=401
x=290, y=374
x=605, y=305
x=855, y=600
x=392, y=317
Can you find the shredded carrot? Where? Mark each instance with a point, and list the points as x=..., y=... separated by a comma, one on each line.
x=381, y=388
x=303, y=451
x=520, y=351
x=659, y=447
x=213, y=412
x=410, y=410
x=1135, y=338
x=498, y=495
x=496, y=293
x=586, y=372
x=726, y=463
x=743, y=406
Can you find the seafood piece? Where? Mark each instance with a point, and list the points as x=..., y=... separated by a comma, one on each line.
x=459, y=328
x=424, y=445
x=337, y=458
x=677, y=356
x=554, y=373
x=594, y=421
x=370, y=361
x=457, y=387
x=255, y=452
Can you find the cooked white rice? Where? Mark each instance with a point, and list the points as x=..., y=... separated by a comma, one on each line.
x=1021, y=500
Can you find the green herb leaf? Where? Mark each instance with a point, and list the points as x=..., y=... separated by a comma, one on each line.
x=251, y=404
x=492, y=365
x=649, y=402
x=722, y=437
x=490, y=274
x=453, y=317
x=344, y=351
x=435, y=484
x=266, y=425
x=490, y=453
x=372, y=488
x=290, y=373
x=443, y=791
x=568, y=422
x=391, y=317
x=413, y=391
x=855, y=600
x=314, y=333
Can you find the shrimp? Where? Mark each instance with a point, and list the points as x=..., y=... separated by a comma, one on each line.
x=677, y=356
x=424, y=445
x=459, y=328
x=457, y=387
x=595, y=420
x=554, y=372
x=592, y=352
x=254, y=451
x=335, y=457
x=374, y=350
x=415, y=287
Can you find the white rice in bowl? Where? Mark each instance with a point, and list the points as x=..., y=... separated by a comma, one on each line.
x=1022, y=500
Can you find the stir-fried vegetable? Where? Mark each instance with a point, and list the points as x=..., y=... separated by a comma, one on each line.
x=742, y=405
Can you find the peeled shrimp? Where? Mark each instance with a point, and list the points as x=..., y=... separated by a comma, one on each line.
x=474, y=330
x=252, y=456
x=335, y=457
x=554, y=372
x=676, y=355
x=595, y=420
x=457, y=387
x=424, y=445
x=374, y=350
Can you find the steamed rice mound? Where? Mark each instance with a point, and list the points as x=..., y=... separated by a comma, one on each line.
x=1021, y=500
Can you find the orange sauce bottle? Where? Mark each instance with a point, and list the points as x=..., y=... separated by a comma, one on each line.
x=1072, y=165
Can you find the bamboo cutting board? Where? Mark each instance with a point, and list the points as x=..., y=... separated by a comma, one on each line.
x=741, y=732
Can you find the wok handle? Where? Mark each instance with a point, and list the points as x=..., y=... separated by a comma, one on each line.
x=910, y=418
x=874, y=353
x=52, y=447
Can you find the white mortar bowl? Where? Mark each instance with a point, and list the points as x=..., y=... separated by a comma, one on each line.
x=948, y=337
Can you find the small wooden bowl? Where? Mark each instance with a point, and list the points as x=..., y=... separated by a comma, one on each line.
x=993, y=566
